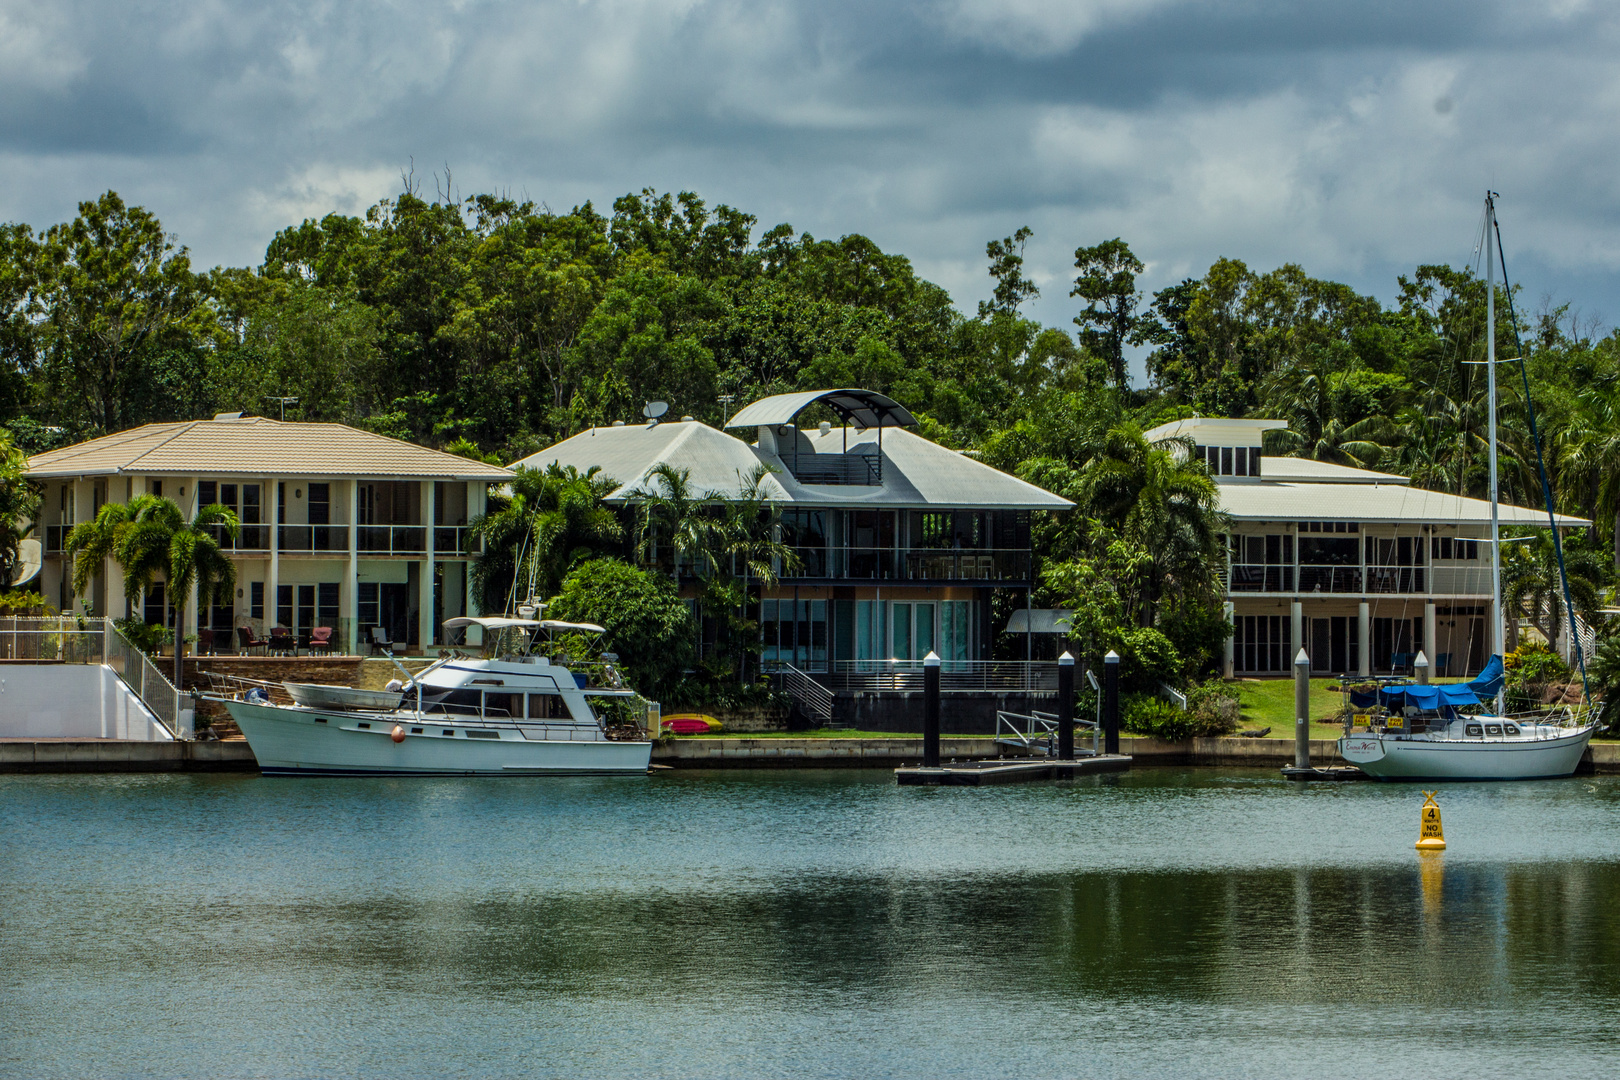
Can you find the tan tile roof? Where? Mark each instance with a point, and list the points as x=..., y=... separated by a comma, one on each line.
x=256, y=446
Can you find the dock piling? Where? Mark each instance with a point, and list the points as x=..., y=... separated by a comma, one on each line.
x=931, y=710
x=1065, y=708
x=1111, y=702
x=1302, y=710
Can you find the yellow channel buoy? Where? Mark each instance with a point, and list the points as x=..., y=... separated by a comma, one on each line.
x=1430, y=835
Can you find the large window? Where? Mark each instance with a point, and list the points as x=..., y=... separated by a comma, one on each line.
x=795, y=632
x=1229, y=460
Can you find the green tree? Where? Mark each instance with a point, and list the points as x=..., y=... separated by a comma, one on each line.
x=552, y=520
x=1532, y=585
x=19, y=506
x=114, y=292
x=1007, y=267
x=647, y=623
x=1107, y=282
x=150, y=538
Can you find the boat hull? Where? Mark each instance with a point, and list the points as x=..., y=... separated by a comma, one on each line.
x=297, y=741
x=1385, y=758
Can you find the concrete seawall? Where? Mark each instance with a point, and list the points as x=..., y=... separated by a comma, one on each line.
x=117, y=755
x=123, y=755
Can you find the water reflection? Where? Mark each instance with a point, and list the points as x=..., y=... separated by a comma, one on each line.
x=794, y=924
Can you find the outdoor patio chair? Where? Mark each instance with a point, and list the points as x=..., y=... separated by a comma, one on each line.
x=1442, y=664
x=246, y=642
x=282, y=641
x=205, y=643
x=320, y=639
x=380, y=641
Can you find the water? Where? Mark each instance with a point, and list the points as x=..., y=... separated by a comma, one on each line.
x=1163, y=923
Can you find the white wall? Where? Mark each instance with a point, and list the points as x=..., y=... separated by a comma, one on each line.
x=83, y=701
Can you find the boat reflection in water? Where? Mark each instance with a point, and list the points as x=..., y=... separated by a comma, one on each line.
x=515, y=712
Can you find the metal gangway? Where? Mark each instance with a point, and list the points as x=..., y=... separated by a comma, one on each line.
x=1036, y=732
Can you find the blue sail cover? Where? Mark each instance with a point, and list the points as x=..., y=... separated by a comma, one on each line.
x=1434, y=697
x=1488, y=683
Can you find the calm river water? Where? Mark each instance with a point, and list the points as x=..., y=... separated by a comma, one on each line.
x=1169, y=923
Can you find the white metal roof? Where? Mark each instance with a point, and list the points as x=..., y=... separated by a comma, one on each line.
x=1212, y=428
x=1304, y=470
x=917, y=474
x=1270, y=500
x=865, y=408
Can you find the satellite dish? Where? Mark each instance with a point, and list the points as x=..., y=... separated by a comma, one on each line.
x=654, y=409
x=30, y=557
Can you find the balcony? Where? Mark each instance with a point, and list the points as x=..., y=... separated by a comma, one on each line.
x=56, y=538
x=861, y=469
x=313, y=538
x=888, y=564
x=248, y=537
x=391, y=539
x=1256, y=577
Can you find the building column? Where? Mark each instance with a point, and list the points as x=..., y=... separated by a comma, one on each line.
x=1430, y=639
x=349, y=600
x=1228, y=666
x=424, y=602
x=1296, y=626
x=272, y=587
x=1363, y=640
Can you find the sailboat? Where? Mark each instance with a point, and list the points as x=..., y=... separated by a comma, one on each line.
x=1417, y=732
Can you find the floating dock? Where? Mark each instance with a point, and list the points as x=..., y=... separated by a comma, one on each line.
x=1005, y=771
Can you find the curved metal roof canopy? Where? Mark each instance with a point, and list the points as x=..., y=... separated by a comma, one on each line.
x=860, y=407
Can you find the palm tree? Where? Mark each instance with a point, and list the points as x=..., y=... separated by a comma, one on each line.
x=1163, y=502
x=19, y=506
x=149, y=537
x=673, y=518
x=553, y=520
x=1586, y=449
x=1531, y=582
x=1303, y=395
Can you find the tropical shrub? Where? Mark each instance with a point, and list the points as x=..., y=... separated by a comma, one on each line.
x=147, y=637
x=1145, y=714
x=1534, y=664
x=647, y=623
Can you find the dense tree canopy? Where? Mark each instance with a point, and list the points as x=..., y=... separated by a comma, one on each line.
x=496, y=326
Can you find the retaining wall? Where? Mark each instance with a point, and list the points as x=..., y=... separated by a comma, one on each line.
x=86, y=701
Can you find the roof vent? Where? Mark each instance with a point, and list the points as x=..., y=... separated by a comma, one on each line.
x=227, y=416
x=826, y=426
x=687, y=419
x=618, y=423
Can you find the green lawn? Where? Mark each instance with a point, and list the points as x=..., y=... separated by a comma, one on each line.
x=1270, y=703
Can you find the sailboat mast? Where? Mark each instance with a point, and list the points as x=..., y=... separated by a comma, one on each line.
x=1498, y=634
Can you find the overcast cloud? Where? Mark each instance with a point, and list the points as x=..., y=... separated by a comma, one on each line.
x=1354, y=138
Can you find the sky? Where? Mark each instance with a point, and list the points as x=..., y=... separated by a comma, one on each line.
x=1354, y=138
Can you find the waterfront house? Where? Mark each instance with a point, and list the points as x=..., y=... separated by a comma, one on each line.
x=340, y=528
x=903, y=544
x=1359, y=567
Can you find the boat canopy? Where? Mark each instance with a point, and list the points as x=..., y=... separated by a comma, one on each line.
x=507, y=622
x=1434, y=697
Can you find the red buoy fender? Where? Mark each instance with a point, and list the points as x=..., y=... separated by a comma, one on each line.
x=398, y=734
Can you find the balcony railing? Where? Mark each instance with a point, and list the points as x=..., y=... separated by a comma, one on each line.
x=312, y=538
x=1255, y=577
x=56, y=537
x=448, y=539
x=248, y=537
x=887, y=564
x=862, y=469
x=955, y=676
x=391, y=539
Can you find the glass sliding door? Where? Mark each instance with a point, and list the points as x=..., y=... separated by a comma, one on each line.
x=955, y=621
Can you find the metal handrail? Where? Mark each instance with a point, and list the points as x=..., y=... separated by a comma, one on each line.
x=1040, y=728
x=956, y=676
x=815, y=699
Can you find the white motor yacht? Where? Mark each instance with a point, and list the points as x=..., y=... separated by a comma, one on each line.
x=515, y=712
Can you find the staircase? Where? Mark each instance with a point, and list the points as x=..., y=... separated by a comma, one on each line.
x=813, y=700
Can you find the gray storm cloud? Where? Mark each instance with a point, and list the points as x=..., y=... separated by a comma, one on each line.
x=1356, y=139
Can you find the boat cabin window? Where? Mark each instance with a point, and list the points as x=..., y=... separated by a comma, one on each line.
x=503, y=704
x=547, y=707
x=1473, y=729
x=462, y=700
x=448, y=731
x=1493, y=729
x=1511, y=729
